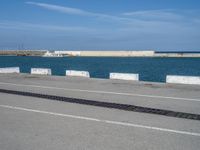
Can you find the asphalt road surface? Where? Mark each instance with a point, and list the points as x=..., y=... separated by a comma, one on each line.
x=30, y=123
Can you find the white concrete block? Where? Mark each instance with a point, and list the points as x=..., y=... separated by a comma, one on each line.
x=124, y=76
x=41, y=71
x=183, y=79
x=77, y=73
x=10, y=70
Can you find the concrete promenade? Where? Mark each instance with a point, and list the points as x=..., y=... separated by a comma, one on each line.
x=38, y=123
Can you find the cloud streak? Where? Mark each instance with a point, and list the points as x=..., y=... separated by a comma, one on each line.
x=76, y=11
x=155, y=15
x=62, y=9
x=164, y=21
x=163, y=15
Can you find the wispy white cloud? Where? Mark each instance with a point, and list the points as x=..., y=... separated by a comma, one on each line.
x=163, y=22
x=134, y=17
x=155, y=15
x=76, y=11
x=62, y=9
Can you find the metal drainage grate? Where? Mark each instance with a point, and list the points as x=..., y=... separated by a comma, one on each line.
x=125, y=107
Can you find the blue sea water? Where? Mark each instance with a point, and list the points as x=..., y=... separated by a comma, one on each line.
x=150, y=69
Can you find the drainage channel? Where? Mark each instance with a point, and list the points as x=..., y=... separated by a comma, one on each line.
x=125, y=107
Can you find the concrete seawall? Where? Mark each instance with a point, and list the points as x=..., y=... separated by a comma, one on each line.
x=96, y=53
x=123, y=53
x=83, y=53
x=176, y=55
x=117, y=53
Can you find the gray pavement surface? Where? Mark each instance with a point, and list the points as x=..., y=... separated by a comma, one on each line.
x=35, y=123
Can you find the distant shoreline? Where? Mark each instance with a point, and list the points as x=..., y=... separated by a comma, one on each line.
x=141, y=53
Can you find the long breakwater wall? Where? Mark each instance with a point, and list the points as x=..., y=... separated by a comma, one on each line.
x=106, y=53
x=117, y=53
x=134, y=53
x=47, y=53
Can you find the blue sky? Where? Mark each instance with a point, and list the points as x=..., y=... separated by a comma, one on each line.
x=100, y=25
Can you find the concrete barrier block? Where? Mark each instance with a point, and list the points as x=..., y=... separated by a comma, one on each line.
x=10, y=70
x=41, y=71
x=124, y=76
x=183, y=79
x=77, y=73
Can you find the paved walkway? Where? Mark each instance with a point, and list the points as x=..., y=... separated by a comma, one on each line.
x=36, y=123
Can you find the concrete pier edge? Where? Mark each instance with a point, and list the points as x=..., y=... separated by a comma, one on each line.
x=170, y=79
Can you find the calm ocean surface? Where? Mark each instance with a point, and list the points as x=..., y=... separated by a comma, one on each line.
x=150, y=69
